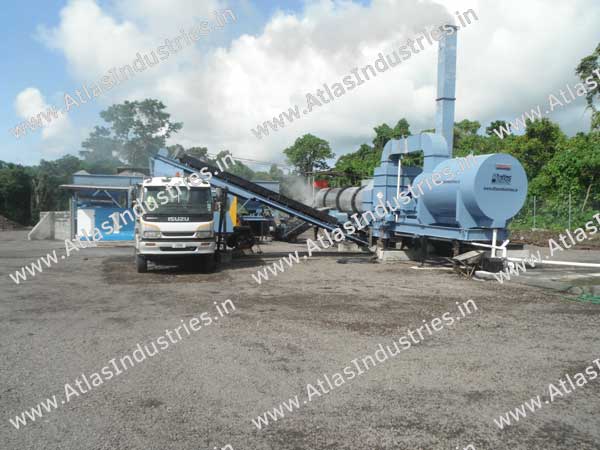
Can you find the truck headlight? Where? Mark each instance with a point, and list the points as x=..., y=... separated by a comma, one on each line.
x=205, y=234
x=151, y=234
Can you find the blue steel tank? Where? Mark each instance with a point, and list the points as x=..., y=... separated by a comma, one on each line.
x=477, y=191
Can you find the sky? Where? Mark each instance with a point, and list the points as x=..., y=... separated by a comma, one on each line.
x=270, y=56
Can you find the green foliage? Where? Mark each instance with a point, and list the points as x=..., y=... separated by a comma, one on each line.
x=357, y=166
x=534, y=149
x=100, y=152
x=556, y=165
x=574, y=169
x=463, y=130
x=537, y=146
x=48, y=176
x=177, y=149
x=360, y=164
x=195, y=152
x=401, y=129
x=496, y=125
x=137, y=131
x=262, y=175
x=309, y=154
x=198, y=152
x=292, y=185
x=383, y=133
x=590, y=67
x=239, y=168
x=15, y=193
x=275, y=172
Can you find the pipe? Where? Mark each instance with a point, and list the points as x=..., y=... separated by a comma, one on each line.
x=555, y=263
x=436, y=147
x=433, y=146
x=446, y=88
x=398, y=178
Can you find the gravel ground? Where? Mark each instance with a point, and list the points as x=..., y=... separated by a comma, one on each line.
x=203, y=392
x=541, y=237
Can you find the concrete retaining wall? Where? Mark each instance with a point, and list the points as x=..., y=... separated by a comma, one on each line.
x=62, y=225
x=52, y=225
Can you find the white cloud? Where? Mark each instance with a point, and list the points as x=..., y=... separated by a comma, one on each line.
x=519, y=53
x=93, y=42
x=509, y=60
x=56, y=133
x=159, y=16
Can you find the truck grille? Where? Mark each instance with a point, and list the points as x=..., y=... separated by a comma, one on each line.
x=183, y=234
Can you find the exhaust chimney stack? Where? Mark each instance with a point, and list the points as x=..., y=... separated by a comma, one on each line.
x=446, y=88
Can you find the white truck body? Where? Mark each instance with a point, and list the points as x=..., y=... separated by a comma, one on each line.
x=176, y=222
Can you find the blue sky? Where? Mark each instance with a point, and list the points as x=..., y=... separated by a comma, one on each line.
x=272, y=56
x=26, y=62
x=29, y=62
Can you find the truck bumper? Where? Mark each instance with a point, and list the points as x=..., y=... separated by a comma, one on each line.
x=174, y=248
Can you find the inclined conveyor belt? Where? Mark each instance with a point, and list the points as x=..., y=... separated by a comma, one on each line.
x=243, y=188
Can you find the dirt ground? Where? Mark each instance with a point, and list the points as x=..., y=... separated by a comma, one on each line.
x=541, y=237
x=203, y=392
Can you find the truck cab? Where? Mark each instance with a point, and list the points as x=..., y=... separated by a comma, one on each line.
x=174, y=223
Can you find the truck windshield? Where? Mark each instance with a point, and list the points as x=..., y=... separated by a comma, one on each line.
x=185, y=201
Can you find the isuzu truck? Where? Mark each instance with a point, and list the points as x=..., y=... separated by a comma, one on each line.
x=175, y=223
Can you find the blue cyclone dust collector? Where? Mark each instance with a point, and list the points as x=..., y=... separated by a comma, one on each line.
x=460, y=200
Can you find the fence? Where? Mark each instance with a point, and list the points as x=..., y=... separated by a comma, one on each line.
x=540, y=213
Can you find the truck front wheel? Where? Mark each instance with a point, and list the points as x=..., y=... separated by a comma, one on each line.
x=141, y=264
x=209, y=263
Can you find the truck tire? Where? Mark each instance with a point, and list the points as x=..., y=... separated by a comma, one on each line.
x=209, y=263
x=141, y=264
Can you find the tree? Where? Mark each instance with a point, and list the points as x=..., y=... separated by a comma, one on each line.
x=496, y=125
x=15, y=193
x=539, y=144
x=48, y=176
x=175, y=150
x=101, y=150
x=361, y=164
x=589, y=68
x=240, y=169
x=197, y=152
x=223, y=157
x=401, y=129
x=357, y=165
x=574, y=169
x=276, y=173
x=383, y=133
x=137, y=131
x=308, y=154
x=464, y=129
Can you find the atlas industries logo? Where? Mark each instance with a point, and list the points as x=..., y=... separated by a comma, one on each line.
x=499, y=178
x=178, y=219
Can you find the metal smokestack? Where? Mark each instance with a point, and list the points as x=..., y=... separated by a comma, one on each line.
x=446, y=88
